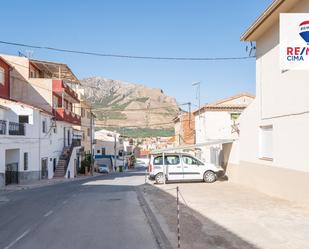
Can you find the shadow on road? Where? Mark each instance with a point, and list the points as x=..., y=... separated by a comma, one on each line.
x=197, y=230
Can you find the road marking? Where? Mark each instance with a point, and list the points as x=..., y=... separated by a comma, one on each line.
x=17, y=239
x=48, y=213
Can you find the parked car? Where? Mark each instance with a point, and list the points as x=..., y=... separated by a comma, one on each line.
x=182, y=167
x=103, y=168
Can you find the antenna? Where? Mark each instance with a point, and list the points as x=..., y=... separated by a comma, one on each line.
x=29, y=53
x=20, y=54
x=251, y=49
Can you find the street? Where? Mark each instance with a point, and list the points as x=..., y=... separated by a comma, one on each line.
x=101, y=212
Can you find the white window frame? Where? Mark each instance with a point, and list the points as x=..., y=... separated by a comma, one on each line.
x=266, y=142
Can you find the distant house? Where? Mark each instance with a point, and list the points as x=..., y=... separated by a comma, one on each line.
x=219, y=120
x=109, y=144
x=184, y=125
x=272, y=153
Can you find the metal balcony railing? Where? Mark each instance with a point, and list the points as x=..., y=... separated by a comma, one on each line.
x=2, y=127
x=16, y=129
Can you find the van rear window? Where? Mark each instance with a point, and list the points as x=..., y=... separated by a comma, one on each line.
x=158, y=160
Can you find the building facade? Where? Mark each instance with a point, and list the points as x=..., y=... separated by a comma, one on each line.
x=184, y=126
x=219, y=121
x=43, y=86
x=23, y=141
x=272, y=149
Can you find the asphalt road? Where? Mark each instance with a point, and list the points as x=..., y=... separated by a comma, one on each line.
x=101, y=212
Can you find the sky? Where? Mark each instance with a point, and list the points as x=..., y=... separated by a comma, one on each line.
x=167, y=28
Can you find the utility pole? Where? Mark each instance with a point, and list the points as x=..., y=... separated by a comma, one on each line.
x=189, y=115
x=115, y=150
x=148, y=115
x=198, y=95
x=91, y=140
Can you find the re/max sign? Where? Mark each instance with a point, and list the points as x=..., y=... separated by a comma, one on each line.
x=297, y=53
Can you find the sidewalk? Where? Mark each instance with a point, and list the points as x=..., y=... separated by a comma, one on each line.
x=42, y=183
x=233, y=214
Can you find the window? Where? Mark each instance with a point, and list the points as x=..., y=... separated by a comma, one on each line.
x=172, y=160
x=103, y=151
x=1, y=75
x=266, y=142
x=190, y=160
x=234, y=116
x=169, y=160
x=158, y=160
x=98, y=151
x=44, y=126
x=26, y=161
x=23, y=119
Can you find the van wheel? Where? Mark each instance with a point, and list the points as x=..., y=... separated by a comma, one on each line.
x=159, y=178
x=209, y=176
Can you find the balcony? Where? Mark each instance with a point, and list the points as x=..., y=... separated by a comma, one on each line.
x=15, y=129
x=62, y=114
x=60, y=87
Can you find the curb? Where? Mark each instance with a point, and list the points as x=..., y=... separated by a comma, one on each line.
x=51, y=183
x=159, y=235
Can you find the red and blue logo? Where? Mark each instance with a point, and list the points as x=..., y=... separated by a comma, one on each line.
x=298, y=53
x=304, y=30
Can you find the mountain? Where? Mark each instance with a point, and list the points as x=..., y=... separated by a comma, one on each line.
x=122, y=104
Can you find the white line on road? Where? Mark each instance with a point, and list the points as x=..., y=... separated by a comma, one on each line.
x=48, y=213
x=17, y=239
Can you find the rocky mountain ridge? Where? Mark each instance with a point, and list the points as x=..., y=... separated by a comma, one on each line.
x=123, y=104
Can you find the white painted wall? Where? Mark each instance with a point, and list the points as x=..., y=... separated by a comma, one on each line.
x=109, y=147
x=72, y=163
x=51, y=143
x=281, y=101
x=213, y=125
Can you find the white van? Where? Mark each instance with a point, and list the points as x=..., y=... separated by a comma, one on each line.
x=182, y=167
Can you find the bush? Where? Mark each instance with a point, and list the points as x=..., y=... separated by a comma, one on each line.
x=85, y=163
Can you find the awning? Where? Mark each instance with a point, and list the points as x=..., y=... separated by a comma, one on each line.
x=56, y=70
x=194, y=146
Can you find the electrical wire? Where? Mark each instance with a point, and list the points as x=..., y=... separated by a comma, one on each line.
x=124, y=56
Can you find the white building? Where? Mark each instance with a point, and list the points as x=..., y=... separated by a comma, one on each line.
x=41, y=85
x=272, y=155
x=107, y=143
x=219, y=121
x=24, y=139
